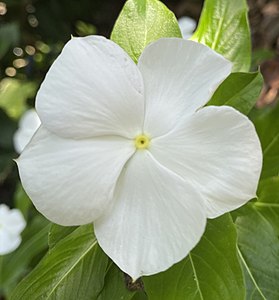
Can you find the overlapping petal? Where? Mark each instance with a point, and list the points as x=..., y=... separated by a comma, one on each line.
x=71, y=182
x=217, y=150
x=28, y=125
x=179, y=77
x=92, y=89
x=157, y=218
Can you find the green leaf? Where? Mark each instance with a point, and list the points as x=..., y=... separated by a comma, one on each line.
x=58, y=233
x=211, y=271
x=140, y=296
x=223, y=26
x=16, y=264
x=258, y=231
x=259, y=252
x=13, y=96
x=115, y=287
x=268, y=200
x=73, y=269
x=142, y=22
x=239, y=90
x=267, y=126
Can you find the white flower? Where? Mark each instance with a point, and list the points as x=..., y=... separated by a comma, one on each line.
x=28, y=124
x=12, y=224
x=187, y=26
x=129, y=148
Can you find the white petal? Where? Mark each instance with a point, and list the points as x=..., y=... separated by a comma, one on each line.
x=179, y=77
x=218, y=151
x=15, y=222
x=71, y=181
x=12, y=224
x=187, y=25
x=156, y=220
x=8, y=242
x=28, y=125
x=30, y=119
x=93, y=88
x=4, y=211
x=11, y=219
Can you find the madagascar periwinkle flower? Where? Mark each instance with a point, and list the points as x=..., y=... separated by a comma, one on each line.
x=12, y=224
x=131, y=148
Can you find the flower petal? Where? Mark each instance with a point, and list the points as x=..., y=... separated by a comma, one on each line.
x=11, y=219
x=28, y=125
x=8, y=242
x=218, y=151
x=157, y=218
x=71, y=182
x=93, y=88
x=15, y=222
x=179, y=77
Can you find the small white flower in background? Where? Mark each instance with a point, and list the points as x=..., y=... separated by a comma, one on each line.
x=12, y=224
x=130, y=148
x=187, y=26
x=28, y=124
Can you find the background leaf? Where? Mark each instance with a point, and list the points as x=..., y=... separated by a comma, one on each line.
x=73, y=269
x=223, y=26
x=13, y=96
x=142, y=22
x=211, y=271
x=268, y=200
x=259, y=252
x=239, y=90
x=267, y=126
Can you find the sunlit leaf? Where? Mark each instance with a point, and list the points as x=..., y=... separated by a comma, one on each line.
x=223, y=26
x=142, y=22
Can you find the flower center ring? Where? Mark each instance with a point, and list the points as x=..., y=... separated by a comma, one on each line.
x=142, y=141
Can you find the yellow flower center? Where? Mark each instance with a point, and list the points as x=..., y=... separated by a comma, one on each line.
x=142, y=141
